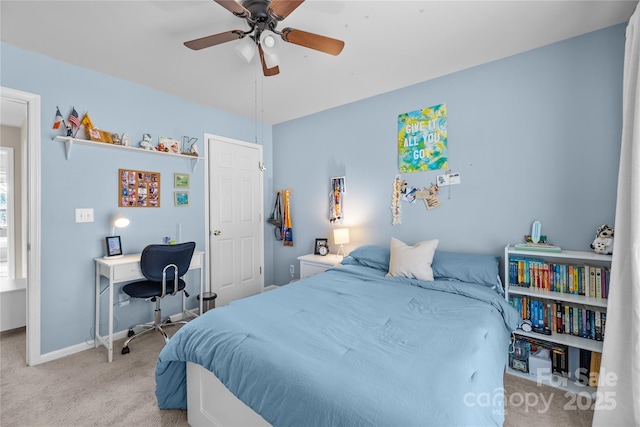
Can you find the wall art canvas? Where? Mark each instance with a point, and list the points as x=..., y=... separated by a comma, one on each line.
x=422, y=140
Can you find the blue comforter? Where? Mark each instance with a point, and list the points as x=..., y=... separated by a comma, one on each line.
x=351, y=347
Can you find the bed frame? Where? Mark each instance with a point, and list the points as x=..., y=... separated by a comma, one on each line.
x=210, y=403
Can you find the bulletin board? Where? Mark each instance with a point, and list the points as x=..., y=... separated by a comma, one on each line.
x=138, y=189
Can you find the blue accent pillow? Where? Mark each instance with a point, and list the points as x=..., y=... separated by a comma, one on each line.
x=472, y=268
x=370, y=256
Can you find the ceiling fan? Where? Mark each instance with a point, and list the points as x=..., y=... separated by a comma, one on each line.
x=263, y=16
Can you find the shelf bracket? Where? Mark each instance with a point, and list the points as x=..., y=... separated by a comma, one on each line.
x=68, y=144
x=194, y=163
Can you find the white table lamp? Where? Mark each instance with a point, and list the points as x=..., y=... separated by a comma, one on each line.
x=340, y=237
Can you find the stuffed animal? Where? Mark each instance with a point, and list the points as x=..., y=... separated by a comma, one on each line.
x=146, y=142
x=603, y=243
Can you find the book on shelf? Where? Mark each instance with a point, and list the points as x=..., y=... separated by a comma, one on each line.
x=557, y=317
x=579, y=365
x=578, y=279
x=594, y=370
x=540, y=247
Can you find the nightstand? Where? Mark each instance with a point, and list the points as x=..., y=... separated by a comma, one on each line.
x=313, y=264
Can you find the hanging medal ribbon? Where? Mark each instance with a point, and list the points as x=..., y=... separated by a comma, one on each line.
x=288, y=228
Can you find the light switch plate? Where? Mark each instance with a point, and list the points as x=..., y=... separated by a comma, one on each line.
x=84, y=215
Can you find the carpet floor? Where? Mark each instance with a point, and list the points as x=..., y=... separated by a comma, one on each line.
x=84, y=390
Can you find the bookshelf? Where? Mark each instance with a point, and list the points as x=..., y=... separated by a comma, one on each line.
x=558, y=292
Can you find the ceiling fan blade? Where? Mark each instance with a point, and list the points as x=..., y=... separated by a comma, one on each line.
x=280, y=9
x=313, y=41
x=213, y=40
x=268, y=72
x=234, y=7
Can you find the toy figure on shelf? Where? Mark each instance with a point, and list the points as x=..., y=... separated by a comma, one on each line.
x=603, y=243
x=146, y=142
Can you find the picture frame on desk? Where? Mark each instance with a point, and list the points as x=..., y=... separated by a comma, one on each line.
x=114, y=247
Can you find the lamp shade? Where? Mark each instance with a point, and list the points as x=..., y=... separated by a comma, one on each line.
x=246, y=49
x=120, y=221
x=341, y=236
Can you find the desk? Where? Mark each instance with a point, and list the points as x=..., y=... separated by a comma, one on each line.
x=126, y=269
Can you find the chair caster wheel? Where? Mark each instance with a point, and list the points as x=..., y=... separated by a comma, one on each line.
x=125, y=350
x=130, y=333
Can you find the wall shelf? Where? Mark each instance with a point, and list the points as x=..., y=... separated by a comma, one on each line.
x=69, y=142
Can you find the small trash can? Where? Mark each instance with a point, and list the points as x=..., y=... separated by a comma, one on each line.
x=208, y=301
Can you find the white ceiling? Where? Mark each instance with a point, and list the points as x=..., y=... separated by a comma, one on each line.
x=388, y=45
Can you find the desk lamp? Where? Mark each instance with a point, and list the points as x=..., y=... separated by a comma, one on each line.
x=340, y=237
x=119, y=221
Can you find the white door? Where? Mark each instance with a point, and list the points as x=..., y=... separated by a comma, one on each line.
x=27, y=235
x=236, y=235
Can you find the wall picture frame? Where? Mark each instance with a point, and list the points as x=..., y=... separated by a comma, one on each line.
x=181, y=198
x=114, y=246
x=321, y=247
x=181, y=180
x=171, y=145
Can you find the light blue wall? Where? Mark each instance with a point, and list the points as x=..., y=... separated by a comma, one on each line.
x=90, y=180
x=535, y=136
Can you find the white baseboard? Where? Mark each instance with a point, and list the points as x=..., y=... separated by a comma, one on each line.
x=270, y=288
x=68, y=351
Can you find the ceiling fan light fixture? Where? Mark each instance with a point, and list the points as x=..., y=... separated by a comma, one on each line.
x=268, y=41
x=268, y=44
x=246, y=49
x=271, y=59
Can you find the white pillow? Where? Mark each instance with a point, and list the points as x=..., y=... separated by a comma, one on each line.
x=412, y=261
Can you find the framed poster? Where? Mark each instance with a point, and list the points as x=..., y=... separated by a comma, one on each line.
x=138, y=189
x=336, y=199
x=422, y=140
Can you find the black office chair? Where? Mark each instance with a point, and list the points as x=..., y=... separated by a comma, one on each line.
x=162, y=266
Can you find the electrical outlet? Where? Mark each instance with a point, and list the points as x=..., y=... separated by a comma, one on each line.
x=292, y=269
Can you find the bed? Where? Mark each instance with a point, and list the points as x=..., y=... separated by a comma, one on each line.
x=351, y=346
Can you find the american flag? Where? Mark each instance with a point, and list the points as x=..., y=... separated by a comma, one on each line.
x=74, y=118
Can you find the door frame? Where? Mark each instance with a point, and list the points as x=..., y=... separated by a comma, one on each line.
x=32, y=200
x=207, y=239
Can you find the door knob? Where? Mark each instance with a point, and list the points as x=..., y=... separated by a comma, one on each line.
x=216, y=232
